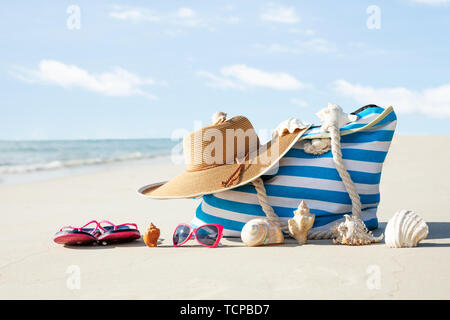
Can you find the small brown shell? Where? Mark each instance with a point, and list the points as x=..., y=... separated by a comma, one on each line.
x=151, y=236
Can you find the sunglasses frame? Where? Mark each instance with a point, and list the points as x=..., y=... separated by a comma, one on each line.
x=194, y=231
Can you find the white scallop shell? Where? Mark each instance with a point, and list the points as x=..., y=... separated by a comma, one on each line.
x=261, y=231
x=405, y=230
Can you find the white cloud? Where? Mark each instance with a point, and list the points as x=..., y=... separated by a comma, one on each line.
x=188, y=18
x=432, y=2
x=229, y=19
x=185, y=13
x=182, y=17
x=366, y=48
x=304, y=32
x=434, y=102
x=219, y=82
x=135, y=15
x=240, y=76
x=316, y=45
x=299, y=102
x=276, y=13
x=119, y=82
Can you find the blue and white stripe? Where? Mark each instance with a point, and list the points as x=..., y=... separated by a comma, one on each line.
x=302, y=176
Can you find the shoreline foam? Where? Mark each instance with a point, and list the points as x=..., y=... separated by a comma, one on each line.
x=84, y=167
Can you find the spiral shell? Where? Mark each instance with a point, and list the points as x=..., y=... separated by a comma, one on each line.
x=260, y=232
x=405, y=230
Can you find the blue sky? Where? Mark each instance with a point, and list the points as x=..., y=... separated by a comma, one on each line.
x=142, y=69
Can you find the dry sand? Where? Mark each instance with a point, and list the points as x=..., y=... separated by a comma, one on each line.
x=416, y=176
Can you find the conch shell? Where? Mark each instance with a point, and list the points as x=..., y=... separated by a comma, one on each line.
x=353, y=232
x=405, y=230
x=333, y=115
x=301, y=223
x=261, y=231
x=289, y=126
x=151, y=236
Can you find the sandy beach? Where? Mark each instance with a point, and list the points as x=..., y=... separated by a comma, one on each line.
x=415, y=176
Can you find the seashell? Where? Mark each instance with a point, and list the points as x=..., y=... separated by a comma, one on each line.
x=333, y=115
x=289, y=126
x=301, y=223
x=261, y=231
x=317, y=146
x=405, y=230
x=353, y=232
x=151, y=236
x=218, y=117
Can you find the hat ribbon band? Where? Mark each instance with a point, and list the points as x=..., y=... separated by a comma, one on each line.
x=236, y=174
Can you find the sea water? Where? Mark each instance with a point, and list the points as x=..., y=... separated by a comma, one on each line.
x=22, y=161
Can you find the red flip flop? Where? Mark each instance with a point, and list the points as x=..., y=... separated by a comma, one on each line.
x=78, y=236
x=118, y=234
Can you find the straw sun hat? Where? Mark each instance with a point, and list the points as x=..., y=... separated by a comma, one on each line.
x=222, y=156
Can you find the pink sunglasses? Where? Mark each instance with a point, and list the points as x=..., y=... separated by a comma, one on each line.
x=208, y=235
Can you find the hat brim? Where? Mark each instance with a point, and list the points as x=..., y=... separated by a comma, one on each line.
x=192, y=184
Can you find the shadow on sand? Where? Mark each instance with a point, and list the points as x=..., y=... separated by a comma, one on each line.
x=133, y=244
x=437, y=230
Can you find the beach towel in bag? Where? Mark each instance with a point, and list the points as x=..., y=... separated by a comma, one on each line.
x=314, y=178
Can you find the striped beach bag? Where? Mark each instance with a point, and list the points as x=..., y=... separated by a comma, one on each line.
x=314, y=178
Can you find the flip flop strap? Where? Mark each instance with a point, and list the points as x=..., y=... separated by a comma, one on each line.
x=127, y=224
x=117, y=226
x=79, y=229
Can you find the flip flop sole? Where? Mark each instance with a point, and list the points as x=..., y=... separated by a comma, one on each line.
x=118, y=236
x=74, y=238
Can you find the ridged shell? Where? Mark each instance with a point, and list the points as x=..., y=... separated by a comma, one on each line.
x=289, y=126
x=405, y=230
x=353, y=232
x=260, y=232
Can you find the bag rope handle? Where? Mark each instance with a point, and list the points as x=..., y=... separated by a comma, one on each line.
x=264, y=202
x=343, y=173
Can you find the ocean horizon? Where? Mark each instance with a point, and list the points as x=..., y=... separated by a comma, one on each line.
x=27, y=160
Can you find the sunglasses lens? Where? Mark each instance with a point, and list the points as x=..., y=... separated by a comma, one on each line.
x=207, y=235
x=181, y=234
